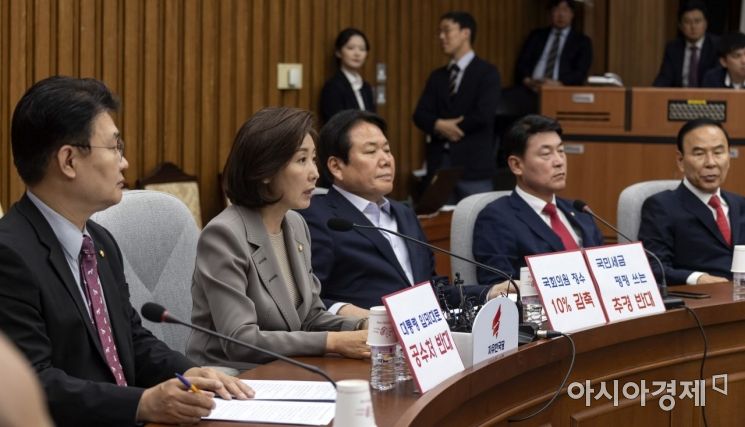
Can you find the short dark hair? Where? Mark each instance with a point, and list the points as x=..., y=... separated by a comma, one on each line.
x=691, y=6
x=333, y=140
x=730, y=43
x=691, y=125
x=53, y=112
x=553, y=3
x=464, y=20
x=344, y=37
x=515, y=140
x=262, y=147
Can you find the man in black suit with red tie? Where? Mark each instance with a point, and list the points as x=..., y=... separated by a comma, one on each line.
x=694, y=227
x=689, y=57
x=457, y=108
x=64, y=300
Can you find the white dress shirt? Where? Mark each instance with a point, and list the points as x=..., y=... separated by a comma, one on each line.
x=380, y=216
x=540, y=66
x=462, y=63
x=356, y=81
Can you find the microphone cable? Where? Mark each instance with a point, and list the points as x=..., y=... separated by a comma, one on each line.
x=561, y=387
x=703, y=358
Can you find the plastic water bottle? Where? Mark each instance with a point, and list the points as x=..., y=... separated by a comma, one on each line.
x=738, y=286
x=532, y=307
x=402, y=368
x=383, y=374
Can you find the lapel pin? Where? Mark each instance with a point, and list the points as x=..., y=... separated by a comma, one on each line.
x=300, y=247
x=100, y=252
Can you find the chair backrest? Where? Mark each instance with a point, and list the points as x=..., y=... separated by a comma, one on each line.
x=168, y=178
x=630, y=204
x=461, y=232
x=158, y=238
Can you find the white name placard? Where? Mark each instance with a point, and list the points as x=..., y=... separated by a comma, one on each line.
x=424, y=335
x=567, y=291
x=625, y=281
x=495, y=330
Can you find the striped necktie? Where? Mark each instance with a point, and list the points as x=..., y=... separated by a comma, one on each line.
x=553, y=54
x=453, y=70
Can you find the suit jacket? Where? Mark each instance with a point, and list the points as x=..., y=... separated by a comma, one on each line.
x=715, y=78
x=476, y=100
x=359, y=266
x=671, y=70
x=42, y=310
x=574, y=62
x=683, y=233
x=508, y=229
x=238, y=291
x=337, y=95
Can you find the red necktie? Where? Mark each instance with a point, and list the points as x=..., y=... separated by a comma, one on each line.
x=559, y=228
x=722, y=223
x=89, y=276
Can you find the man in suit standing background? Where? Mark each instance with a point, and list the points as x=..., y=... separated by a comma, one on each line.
x=64, y=300
x=457, y=108
x=532, y=220
x=693, y=228
x=689, y=57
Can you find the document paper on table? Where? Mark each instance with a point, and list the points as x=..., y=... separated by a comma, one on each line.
x=273, y=411
x=292, y=390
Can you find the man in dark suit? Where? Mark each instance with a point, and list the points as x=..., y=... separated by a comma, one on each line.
x=689, y=57
x=532, y=220
x=356, y=268
x=457, y=108
x=64, y=299
x=693, y=228
x=555, y=55
x=730, y=73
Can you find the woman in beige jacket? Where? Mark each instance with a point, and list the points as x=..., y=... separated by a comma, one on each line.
x=253, y=279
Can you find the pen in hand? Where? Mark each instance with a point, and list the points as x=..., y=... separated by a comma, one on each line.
x=189, y=386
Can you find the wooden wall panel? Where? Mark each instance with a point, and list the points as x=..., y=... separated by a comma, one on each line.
x=190, y=72
x=637, y=33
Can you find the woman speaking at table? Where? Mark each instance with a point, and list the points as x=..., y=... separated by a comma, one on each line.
x=253, y=279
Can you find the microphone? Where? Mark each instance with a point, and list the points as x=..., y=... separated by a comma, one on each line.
x=341, y=224
x=670, y=302
x=158, y=314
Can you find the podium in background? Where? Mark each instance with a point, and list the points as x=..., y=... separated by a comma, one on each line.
x=616, y=137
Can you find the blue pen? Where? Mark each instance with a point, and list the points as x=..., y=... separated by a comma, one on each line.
x=189, y=386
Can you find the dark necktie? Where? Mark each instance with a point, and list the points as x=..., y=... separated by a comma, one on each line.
x=693, y=68
x=92, y=288
x=566, y=237
x=722, y=223
x=453, y=70
x=553, y=54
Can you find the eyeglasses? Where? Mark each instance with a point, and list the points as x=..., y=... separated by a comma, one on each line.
x=119, y=147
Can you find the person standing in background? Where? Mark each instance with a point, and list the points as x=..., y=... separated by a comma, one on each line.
x=346, y=89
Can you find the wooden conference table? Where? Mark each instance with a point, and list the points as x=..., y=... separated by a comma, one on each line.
x=663, y=347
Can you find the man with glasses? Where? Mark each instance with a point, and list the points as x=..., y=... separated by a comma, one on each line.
x=64, y=300
x=457, y=107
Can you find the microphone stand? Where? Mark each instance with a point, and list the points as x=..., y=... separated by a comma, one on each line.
x=339, y=224
x=167, y=317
